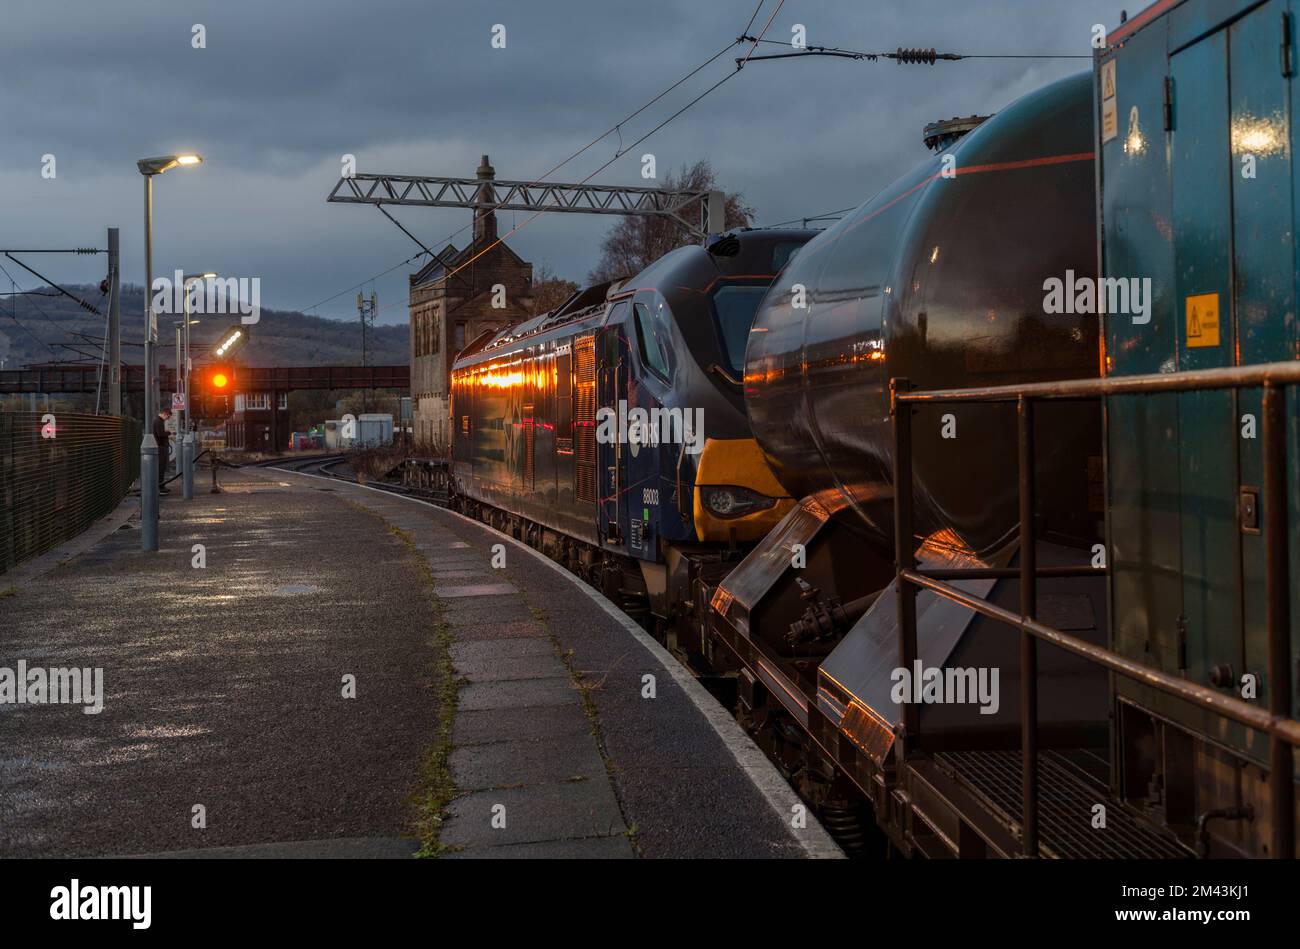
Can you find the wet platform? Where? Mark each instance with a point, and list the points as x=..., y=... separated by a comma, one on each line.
x=347, y=674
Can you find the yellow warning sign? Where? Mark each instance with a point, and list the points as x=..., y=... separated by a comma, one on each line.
x=1109, y=103
x=1203, y=320
x=1108, y=89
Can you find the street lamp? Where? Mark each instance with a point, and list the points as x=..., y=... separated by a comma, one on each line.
x=149, y=460
x=186, y=453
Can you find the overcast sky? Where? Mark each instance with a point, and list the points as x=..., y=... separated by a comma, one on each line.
x=285, y=88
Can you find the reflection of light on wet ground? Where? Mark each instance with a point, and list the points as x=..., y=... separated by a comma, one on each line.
x=168, y=731
x=295, y=589
x=126, y=754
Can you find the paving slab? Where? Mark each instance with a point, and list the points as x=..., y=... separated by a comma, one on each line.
x=470, y=629
x=510, y=668
x=522, y=693
x=544, y=811
x=479, y=650
x=476, y=589
x=506, y=764
x=484, y=726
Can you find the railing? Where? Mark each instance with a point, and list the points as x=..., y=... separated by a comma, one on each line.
x=1283, y=731
x=59, y=473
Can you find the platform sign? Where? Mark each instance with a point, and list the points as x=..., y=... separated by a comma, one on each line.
x=178, y=401
x=1203, y=320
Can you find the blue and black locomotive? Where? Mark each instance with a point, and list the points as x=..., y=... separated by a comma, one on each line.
x=611, y=432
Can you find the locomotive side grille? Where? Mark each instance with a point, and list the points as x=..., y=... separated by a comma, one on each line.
x=584, y=422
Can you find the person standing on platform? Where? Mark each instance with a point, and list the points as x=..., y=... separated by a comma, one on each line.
x=163, y=438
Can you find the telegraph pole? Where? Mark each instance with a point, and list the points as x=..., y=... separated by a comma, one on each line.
x=114, y=325
x=366, y=309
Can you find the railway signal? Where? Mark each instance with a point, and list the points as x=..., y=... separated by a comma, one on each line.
x=231, y=341
x=215, y=384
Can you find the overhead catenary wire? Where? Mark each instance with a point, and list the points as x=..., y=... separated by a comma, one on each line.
x=50, y=283
x=814, y=217
x=623, y=151
x=616, y=128
x=901, y=55
x=13, y=315
x=60, y=291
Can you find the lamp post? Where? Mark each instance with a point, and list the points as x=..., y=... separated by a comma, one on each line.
x=149, y=460
x=187, y=439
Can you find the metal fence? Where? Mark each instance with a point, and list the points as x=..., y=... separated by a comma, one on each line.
x=60, y=472
x=1283, y=731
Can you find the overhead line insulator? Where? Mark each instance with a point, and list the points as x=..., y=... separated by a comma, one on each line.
x=916, y=56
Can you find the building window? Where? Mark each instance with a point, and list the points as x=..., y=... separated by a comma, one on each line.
x=283, y=401
x=257, y=400
x=239, y=403
x=434, y=335
x=460, y=336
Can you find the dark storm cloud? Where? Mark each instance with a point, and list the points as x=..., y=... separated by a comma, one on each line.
x=286, y=87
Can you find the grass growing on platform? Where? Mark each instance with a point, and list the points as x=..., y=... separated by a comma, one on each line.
x=436, y=785
x=585, y=687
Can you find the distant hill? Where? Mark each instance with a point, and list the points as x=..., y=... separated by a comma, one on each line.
x=280, y=338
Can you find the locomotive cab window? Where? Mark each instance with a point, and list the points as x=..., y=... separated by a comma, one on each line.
x=652, y=353
x=734, y=307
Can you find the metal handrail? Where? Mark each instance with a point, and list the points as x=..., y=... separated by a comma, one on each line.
x=1233, y=377
x=1283, y=731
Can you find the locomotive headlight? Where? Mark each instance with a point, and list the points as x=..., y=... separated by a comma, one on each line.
x=731, y=501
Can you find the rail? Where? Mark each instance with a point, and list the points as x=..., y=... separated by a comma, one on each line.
x=59, y=473
x=1282, y=730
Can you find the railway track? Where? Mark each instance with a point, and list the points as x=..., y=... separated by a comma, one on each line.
x=336, y=466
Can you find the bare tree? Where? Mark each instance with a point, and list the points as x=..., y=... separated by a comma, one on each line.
x=636, y=242
x=549, y=290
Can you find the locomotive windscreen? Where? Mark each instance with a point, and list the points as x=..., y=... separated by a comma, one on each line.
x=734, y=307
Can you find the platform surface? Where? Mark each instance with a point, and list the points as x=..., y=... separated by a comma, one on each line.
x=572, y=733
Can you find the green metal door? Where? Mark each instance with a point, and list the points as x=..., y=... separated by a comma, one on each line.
x=1264, y=273
x=1203, y=314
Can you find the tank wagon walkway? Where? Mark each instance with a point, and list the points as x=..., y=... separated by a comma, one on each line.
x=348, y=674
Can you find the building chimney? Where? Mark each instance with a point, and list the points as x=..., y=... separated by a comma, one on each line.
x=485, y=220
